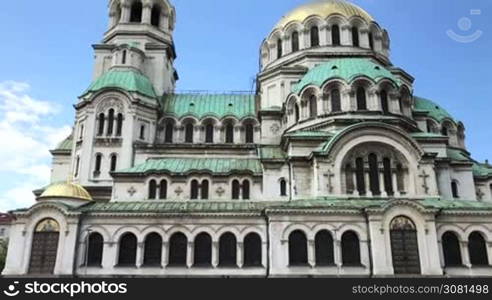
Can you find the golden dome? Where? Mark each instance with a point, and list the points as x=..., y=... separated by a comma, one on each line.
x=324, y=8
x=66, y=190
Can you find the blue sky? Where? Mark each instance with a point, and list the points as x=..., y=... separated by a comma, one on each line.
x=46, y=61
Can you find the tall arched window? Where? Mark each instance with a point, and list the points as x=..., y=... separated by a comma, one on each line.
x=236, y=190
x=451, y=249
x=361, y=182
x=297, y=113
x=336, y=103
x=374, y=174
x=313, y=107
x=250, y=134
x=194, y=189
x=152, y=189
x=444, y=130
x=136, y=12
x=335, y=35
x=178, y=247
x=349, y=179
x=350, y=249
x=229, y=138
x=114, y=162
x=101, y=119
x=169, y=132
x=110, y=121
x=279, y=48
x=189, y=133
x=295, y=41
x=252, y=250
x=209, y=134
x=371, y=40
x=98, y=163
x=361, y=99
x=477, y=247
x=95, y=250
x=163, y=190
x=324, y=248
x=454, y=190
x=227, y=250
x=153, y=250
x=384, y=102
x=155, y=16
x=246, y=190
x=355, y=37
x=298, y=249
x=203, y=250
x=400, y=176
x=128, y=250
x=314, y=36
x=283, y=187
x=205, y=189
x=142, y=132
x=123, y=58
x=388, y=177
x=119, y=124
x=77, y=167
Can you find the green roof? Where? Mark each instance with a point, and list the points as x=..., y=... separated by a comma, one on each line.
x=435, y=111
x=215, y=105
x=482, y=170
x=272, y=152
x=65, y=145
x=458, y=155
x=190, y=165
x=346, y=69
x=128, y=80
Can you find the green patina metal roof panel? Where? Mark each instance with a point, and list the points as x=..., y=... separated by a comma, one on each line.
x=272, y=152
x=435, y=111
x=346, y=69
x=66, y=144
x=189, y=165
x=128, y=80
x=216, y=105
x=482, y=170
x=457, y=155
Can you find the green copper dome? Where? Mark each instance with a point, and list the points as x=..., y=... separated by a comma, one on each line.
x=128, y=80
x=435, y=111
x=345, y=69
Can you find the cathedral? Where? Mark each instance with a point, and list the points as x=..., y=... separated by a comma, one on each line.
x=332, y=167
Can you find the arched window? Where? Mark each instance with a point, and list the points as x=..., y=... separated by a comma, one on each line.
x=297, y=113
x=152, y=189
x=295, y=41
x=194, y=190
x=119, y=124
x=384, y=102
x=153, y=250
x=314, y=36
x=205, y=189
x=252, y=250
x=163, y=190
x=361, y=99
x=477, y=248
x=142, y=132
x=229, y=138
x=110, y=121
x=335, y=35
x=279, y=48
x=361, y=182
x=297, y=248
x=123, y=59
x=250, y=134
x=128, y=250
x=203, y=250
x=246, y=190
x=336, y=103
x=236, y=190
x=114, y=162
x=136, y=12
x=349, y=179
x=169, y=133
x=324, y=248
x=95, y=250
x=189, y=133
x=100, y=130
x=155, y=16
x=350, y=249
x=77, y=167
x=451, y=249
x=227, y=250
x=444, y=130
x=454, y=190
x=98, y=163
x=283, y=187
x=355, y=37
x=388, y=176
x=374, y=174
x=209, y=134
x=371, y=40
x=178, y=246
x=313, y=107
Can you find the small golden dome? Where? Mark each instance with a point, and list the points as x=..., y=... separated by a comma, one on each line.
x=66, y=190
x=323, y=9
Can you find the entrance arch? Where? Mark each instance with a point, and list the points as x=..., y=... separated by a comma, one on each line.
x=44, y=247
x=404, y=246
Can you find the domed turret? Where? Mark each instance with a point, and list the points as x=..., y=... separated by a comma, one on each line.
x=67, y=192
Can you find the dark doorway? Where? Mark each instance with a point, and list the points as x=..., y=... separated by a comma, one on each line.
x=404, y=246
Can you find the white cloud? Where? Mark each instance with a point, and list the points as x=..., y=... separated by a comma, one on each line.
x=27, y=136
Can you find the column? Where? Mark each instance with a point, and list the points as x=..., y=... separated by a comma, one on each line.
x=164, y=22
x=465, y=255
x=215, y=254
x=190, y=255
x=356, y=190
x=311, y=254
x=364, y=38
x=147, y=13
x=329, y=41
x=264, y=253
x=337, y=252
x=345, y=35
x=322, y=35
x=165, y=254
x=368, y=183
x=240, y=254
x=394, y=182
x=489, y=251
x=140, y=254
x=125, y=12
x=382, y=187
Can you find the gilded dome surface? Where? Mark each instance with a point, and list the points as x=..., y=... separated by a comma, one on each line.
x=323, y=9
x=66, y=190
